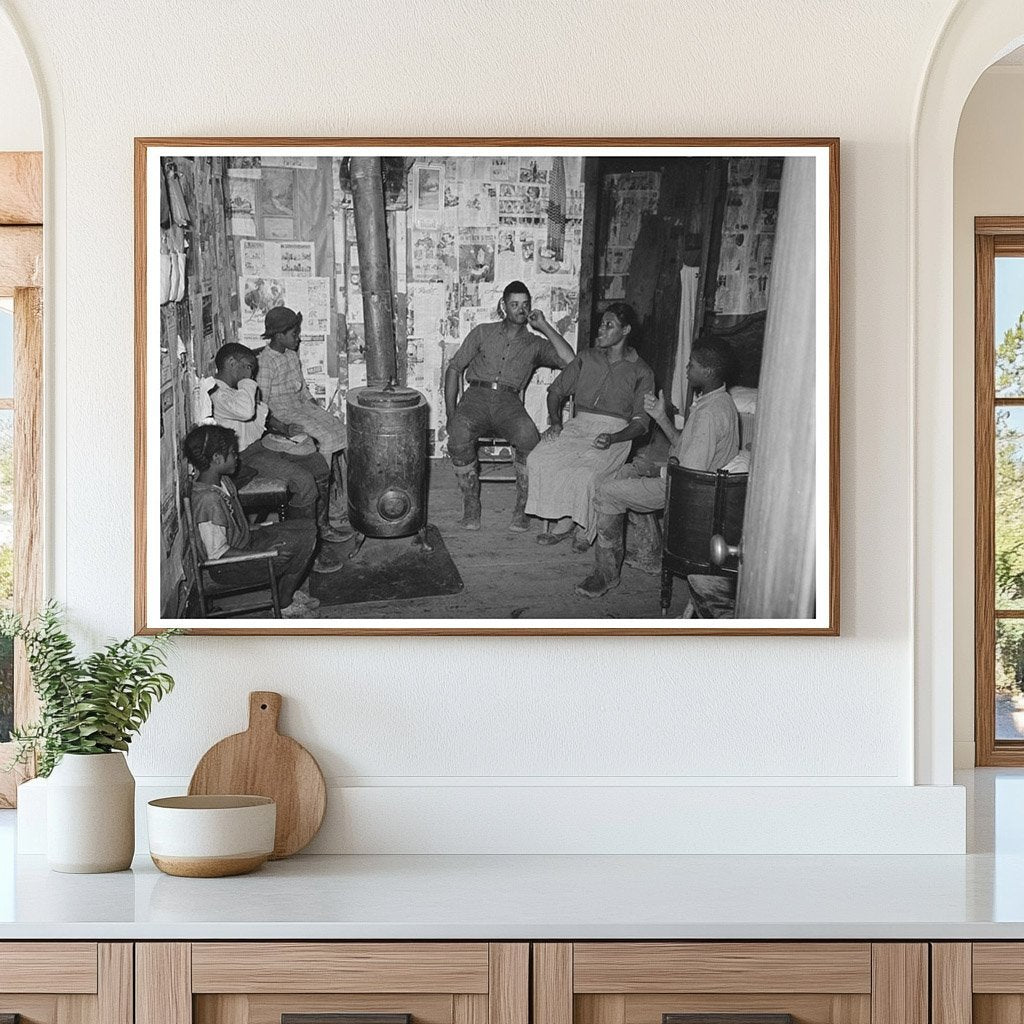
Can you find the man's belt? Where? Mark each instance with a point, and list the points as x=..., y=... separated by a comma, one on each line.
x=493, y=385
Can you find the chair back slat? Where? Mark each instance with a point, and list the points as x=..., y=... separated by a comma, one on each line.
x=188, y=524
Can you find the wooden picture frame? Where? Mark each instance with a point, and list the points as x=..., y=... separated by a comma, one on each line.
x=735, y=239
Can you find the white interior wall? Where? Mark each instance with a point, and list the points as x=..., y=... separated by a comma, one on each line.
x=432, y=717
x=21, y=127
x=987, y=182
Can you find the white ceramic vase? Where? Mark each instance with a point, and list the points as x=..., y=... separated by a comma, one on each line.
x=90, y=814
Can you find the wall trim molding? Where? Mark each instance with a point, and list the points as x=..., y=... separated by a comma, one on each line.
x=617, y=820
x=180, y=783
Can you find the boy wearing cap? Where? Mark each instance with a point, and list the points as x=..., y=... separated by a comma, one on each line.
x=284, y=390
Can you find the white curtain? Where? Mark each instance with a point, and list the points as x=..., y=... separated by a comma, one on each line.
x=687, y=312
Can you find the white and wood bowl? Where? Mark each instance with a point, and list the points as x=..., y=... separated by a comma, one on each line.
x=211, y=836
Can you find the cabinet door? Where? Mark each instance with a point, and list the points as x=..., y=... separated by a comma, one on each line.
x=980, y=982
x=332, y=983
x=66, y=982
x=736, y=982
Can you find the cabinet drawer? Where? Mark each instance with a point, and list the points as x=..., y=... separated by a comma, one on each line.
x=633, y=967
x=66, y=967
x=748, y=982
x=66, y=982
x=998, y=967
x=340, y=967
x=263, y=982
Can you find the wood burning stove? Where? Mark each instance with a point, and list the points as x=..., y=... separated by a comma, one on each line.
x=387, y=460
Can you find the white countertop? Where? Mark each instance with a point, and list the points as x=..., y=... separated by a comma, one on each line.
x=517, y=897
x=976, y=896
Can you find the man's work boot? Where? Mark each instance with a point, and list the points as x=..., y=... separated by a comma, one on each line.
x=607, y=558
x=323, y=528
x=645, y=553
x=469, y=484
x=580, y=544
x=332, y=533
x=328, y=559
x=519, y=523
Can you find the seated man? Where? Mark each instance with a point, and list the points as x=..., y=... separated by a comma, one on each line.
x=224, y=530
x=709, y=439
x=499, y=360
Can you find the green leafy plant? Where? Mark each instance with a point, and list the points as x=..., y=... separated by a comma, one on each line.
x=88, y=705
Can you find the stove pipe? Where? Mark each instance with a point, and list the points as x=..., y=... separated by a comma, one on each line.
x=374, y=271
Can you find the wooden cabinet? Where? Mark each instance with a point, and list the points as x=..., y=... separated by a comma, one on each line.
x=494, y=983
x=258, y=982
x=977, y=982
x=815, y=982
x=66, y=982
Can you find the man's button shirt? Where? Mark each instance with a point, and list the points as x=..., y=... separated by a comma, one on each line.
x=492, y=354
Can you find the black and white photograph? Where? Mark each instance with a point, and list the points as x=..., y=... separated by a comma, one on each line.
x=430, y=386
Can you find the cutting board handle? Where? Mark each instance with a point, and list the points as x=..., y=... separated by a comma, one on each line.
x=264, y=710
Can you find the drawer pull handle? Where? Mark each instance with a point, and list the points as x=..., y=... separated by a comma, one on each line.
x=726, y=1018
x=341, y=1018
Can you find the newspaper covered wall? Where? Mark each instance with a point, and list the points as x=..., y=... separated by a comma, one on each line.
x=459, y=229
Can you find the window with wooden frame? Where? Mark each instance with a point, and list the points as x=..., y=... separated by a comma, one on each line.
x=999, y=490
x=21, y=366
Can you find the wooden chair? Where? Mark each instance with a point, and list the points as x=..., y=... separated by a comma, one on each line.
x=258, y=494
x=700, y=506
x=208, y=590
x=497, y=459
x=494, y=454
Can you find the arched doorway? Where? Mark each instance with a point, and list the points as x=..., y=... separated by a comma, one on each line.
x=977, y=33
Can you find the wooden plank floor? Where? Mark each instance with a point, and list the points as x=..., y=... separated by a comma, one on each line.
x=509, y=575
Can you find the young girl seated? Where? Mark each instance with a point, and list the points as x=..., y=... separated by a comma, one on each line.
x=224, y=530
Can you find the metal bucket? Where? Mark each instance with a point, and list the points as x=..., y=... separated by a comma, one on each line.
x=387, y=460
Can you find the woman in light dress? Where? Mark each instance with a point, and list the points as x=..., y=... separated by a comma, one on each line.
x=608, y=383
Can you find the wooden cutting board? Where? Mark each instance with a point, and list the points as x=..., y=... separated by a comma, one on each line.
x=262, y=762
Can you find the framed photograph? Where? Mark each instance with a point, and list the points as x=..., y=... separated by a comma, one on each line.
x=487, y=386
